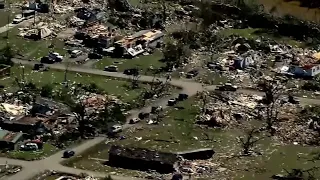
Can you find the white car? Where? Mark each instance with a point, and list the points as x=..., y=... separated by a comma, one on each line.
x=18, y=19
x=56, y=56
x=75, y=53
x=111, y=68
x=134, y=120
x=116, y=128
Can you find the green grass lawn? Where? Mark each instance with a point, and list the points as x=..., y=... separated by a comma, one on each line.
x=254, y=33
x=47, y=150
x=142, y=62
x=7, y=15
x=30, y=49
x=177, y=132
x=112, y=86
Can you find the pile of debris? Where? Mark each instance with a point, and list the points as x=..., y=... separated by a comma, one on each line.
x=40, y=30
x=229, y=109
x=47, y=174
x=196, y=167
x=96, y=101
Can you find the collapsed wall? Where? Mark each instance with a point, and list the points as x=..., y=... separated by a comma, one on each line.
x=145, y=159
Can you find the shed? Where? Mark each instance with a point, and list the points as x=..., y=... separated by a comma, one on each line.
x=9, y=139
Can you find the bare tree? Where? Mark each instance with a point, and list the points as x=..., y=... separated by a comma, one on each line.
x=135, y=79
x=273, y=89
x=249, y=141
x=203, y=96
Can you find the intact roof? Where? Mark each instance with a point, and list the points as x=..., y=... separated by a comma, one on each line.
x=143, y=154
x=9, y=136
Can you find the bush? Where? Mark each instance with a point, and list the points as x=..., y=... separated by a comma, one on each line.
x=46, y=90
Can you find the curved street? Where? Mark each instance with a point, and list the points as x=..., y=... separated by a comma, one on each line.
x=32, y=168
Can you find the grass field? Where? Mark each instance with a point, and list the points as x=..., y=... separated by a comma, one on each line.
x=47, y=150
x=177, y=132
x=30, y=49
x=253, y=33
x=142, y=62
x=112, y=86
x=6, y=15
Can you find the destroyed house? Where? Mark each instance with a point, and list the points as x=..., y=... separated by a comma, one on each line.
x=8, y=139
x=96, y=36
x=134, y=45
x=142, y=159
x=305, y=67
x=27, y=124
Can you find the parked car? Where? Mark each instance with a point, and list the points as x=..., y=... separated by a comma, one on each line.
x=75, y=53
x=68, y=153
x=55, y=56
x=143, y=115
x=111, y=68
x=133, y=71
x=94, y=55
x=293, y=100
x=47, y=60
x=227, y=87
x=155, y=109
x=211, y=65
x=116, y=128
x=29, y=147
x=182, y=97
x=40, y=67
x=18, y=19
x=172, y=102
x=134, y=120
x=192, y=73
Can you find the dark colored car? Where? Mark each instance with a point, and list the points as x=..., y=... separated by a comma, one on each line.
x=227, y=87
x=94, y=56
x=46, y=60
x=172, y=102
x=155, y=109
x=37, y=67
x=293, y=100
x=192, y=74
x=143, y=115
x=133, y=71
x=211, y=65
x=182, y=97
x=68, y=154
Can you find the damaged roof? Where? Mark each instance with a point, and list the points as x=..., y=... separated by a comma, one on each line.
x=143, y=154
x=10, y=136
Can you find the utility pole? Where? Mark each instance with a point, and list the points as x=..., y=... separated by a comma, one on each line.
x=34, y=18
x=22, y=67
x=8, y=20
x=65, y=73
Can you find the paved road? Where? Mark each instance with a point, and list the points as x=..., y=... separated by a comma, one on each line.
x=10, y=26
x=188, y=86
x=53, y=162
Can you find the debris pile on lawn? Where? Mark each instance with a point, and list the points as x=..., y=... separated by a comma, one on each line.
x=48, y=174
x=229, y=109
x=203, y=167
x=41, y=30
x=96, y=101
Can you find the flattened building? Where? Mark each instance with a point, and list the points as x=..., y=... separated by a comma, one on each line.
x=142, y=159
x=135, y=44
